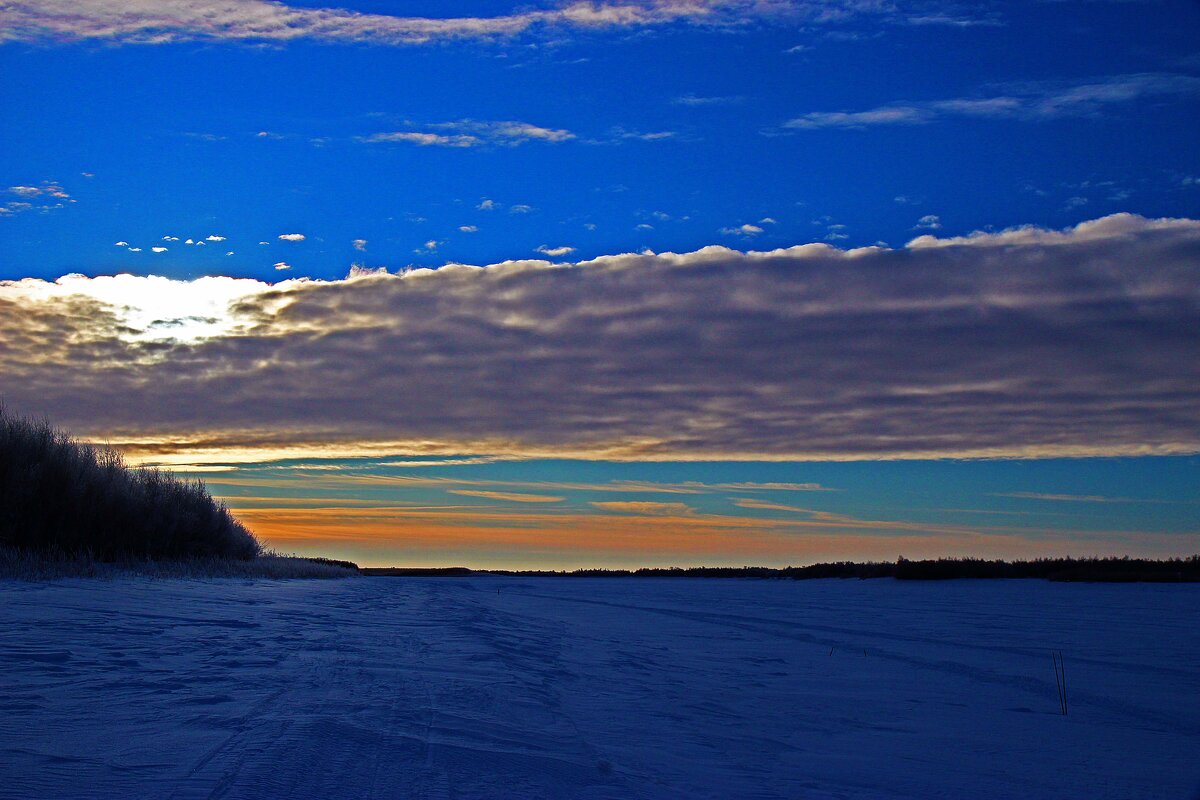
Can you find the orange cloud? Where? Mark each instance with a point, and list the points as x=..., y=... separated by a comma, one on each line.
x=488, y=537
x=643, y=507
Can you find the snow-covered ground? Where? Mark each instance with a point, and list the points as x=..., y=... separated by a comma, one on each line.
x=596, y=688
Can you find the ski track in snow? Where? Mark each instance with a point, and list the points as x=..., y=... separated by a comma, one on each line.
x=495, y=687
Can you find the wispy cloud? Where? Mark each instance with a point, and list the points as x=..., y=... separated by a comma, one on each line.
x=747, y=229
x=643, y=507
x=424, y=139
x=1038, y=101
x=1071, y=498
x=512, y=497
x=555, y=252
x=44, y=197
x=471, y=133
x=695, y=101
x=151, y=22
x=1022, y=343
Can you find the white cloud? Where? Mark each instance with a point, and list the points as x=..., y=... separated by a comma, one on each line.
x=468, y=228
x=121, y=244
x=282, y=265
x=158, y=249
x=189, y=241
x=695, y=100
x=487, y=205
x=214, y=238
x=423, y=139
x=48, y=196
x=554, y=252
x=742, y=230
x=621, y=134
x=929, y=222
x=519, y=208
x=165, y=21
x=1034, y=101
x=360, y=244
x=135, y=249
x=292, y=237
x=472, y=133
x=170, y=238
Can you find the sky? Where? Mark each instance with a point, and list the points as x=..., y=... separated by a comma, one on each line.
x=628, y=283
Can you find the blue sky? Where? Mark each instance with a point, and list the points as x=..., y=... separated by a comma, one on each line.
x=191, y=139
x=170, y=135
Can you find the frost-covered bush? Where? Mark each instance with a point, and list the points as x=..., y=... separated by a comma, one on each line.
x=69, y=499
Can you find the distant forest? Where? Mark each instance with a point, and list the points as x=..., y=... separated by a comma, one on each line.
x=1107, y=570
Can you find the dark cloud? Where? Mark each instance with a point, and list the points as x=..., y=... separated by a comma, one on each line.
x=1026, y=342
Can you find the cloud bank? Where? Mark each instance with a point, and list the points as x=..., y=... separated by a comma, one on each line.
x=1026, y=342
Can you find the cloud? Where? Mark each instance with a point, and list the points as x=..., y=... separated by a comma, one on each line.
x=214, y=238
x=282, y=265
x=468, y=228
x=158, y=249
x=423, y=139
x=292, y=237
x=121, y=244
x=47, y=196
x=513, y=497
x=767, y=505
x=747, y=486
x=643, y=507
x=473, y=133
x=150, y=22
x=487, y=205
x=929, y=222
x=360, y=244
x=621, y=134
x=1069, y=498
x=554, y=252
x=695, y=100
x=1030, y=101
x=519, y=208
x=170, y=238
x=1026, y=342
x=742, y=230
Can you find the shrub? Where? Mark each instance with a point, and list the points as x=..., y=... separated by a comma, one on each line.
x=63, y=498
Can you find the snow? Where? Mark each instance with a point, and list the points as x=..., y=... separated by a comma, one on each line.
x=596, y=688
